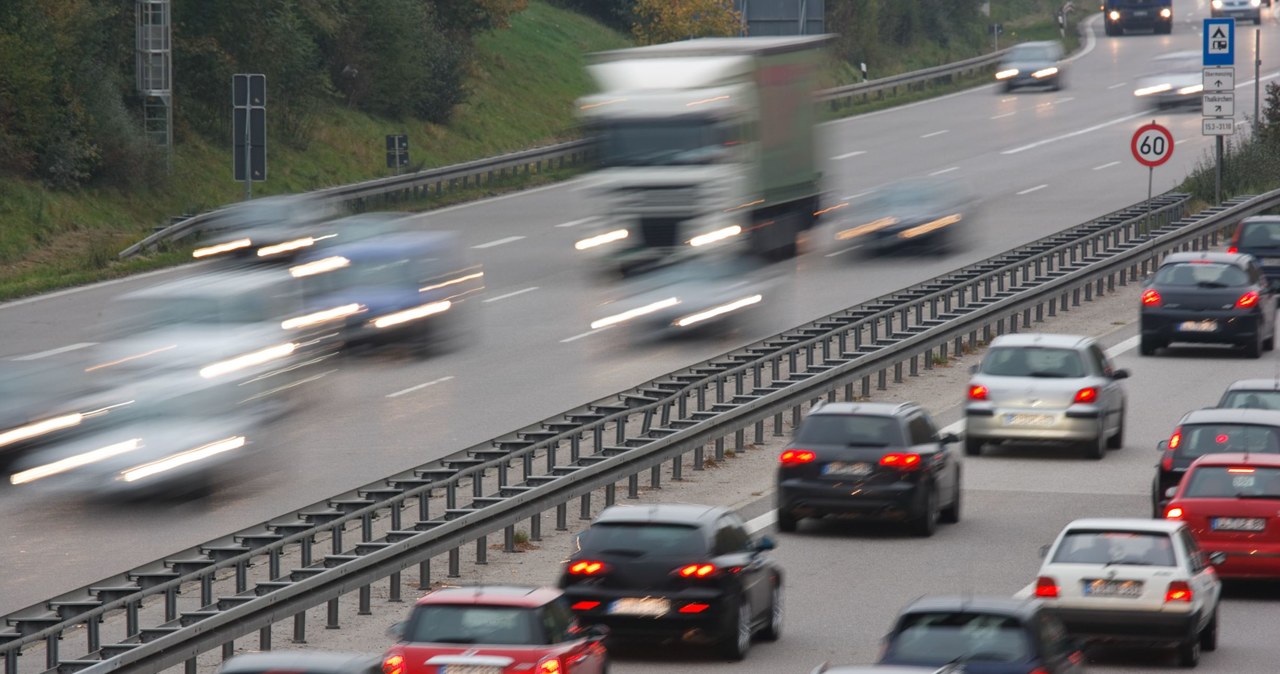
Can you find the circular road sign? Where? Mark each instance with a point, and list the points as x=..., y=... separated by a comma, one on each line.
x=1152, y=145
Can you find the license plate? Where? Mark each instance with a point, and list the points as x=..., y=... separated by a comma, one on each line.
x=470, y=669
x=1028, y=420
x=1098, y=587
x=855, y=469
x=646, y=606
x=1239, y=524
x=1206, y=325
x=1139, y=12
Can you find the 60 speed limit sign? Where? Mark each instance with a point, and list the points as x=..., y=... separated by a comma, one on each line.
x=1152, y=145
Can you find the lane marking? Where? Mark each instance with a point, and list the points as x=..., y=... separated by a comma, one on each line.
x=1004, y=114
x=574, y=223
x=851, y=197
x=945, y=170
x=1064, y=100
x=1269, y=76
x=1106, y=165
x=411, y=389
x=54, y=352
x=936, y=133
x=1029, y=190
x=499, y=242
x=585, y=334
x=848, y=155
x=1117, y=85
x=764, y=521
x=512, y=294
x=102, y=284
x=842, y=251
x=1078, y=132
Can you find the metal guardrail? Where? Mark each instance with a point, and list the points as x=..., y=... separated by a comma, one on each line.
x=536, y=160
x=205, y=597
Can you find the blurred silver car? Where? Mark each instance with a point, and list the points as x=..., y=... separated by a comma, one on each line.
x=1032, y=64
x=1240, y=10
x=270, y=229
x=48, y=400
x=1172, y=80
x=685, y=296
x=1045, y=387
x=930, y=213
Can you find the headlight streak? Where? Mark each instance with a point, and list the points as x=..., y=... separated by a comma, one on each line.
x=1006, y=74
x=718, y=235
x=133, y=357
x=634, y=313
x=247, y=360
x=287, y=246
x=73, y=462
x=320, y=266
x=35, y=430
x=181, y=459
x=601, y=239
x=411, y=314
x=221, y=248
x=929, y=226
x=717, y=311
x=1154, y=89
x=855, y=232
x=454, y=281
x=320, y=317
x=1046, y=72
x=1193, y=89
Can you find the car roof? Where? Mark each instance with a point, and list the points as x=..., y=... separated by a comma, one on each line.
x=1260, y=218
x=492, y=595
x=1205, y=255
x=1231, y=415
x=878, y=669
x=1041, y=339
x=397, y=245
x=979, y=603
x=660, y=513
x=1126, y=524
x=301, y=661
x=1260, y=459
x=216, y=283
x=865, y=408
x=1255, y=385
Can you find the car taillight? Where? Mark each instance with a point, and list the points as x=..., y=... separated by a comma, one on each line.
x=1039, y=670
x=696, y=570
x=901, y=461
x=1087, y=394
x=793, y=457
x=1173, y=513
x=1233, y=249
x=1151, y=298
x=1167, y=462
x=393, y=664
x=1179, y=591
x=1248, y=300
x=694, y=608
x=550, y=665
x=1175, y=439
x=587, y=567
x=1046, y=587
x=584, y=605
x=977, y=392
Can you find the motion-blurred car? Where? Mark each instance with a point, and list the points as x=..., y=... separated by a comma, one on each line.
x=409, y=287
x=1208, y=298
x=1211, y=431
x=876, y=460
x=990, y=635
x=827, y=668
x=48, y=400
x=1258, y=394
x=1230, y=502
x=925, y=213
x=1239, y=10
x=1032, y=64
x=1259, y=236
x=1044, y=387
x=270, y=229
x=495, y=630
x=1172, y=80
x=1133, y=581
x=302, y=662
x=676, y=571
x=363, y=226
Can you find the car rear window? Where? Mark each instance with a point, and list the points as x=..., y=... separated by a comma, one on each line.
x=1260, y=235
x=1200, y=439
x=1238, y=482
x=941, y=637
x=850, y=430
x=1257, y=400
x=1191, y=274
x=640, y=539
x=471, y=624
x=1143, y=548
x=1033, y=361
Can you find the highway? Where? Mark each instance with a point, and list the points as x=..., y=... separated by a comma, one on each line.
x=1040, y=161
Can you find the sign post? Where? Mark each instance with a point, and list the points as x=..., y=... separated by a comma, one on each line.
x=1152, y=145
x=1219, y=106
x=397, y=151
x=249, y=130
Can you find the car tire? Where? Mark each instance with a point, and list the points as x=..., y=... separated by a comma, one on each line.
x=1209, y=637
x=773, y=629
x=1254, y=349
x=1147, y=347
x=1269, y=344
x=972, y=446
x=1096, y=448
x=1117, y=441
x=787, y=522
x=733, y=646
x=1189, y=652
x=925, y=522
x=951, y=513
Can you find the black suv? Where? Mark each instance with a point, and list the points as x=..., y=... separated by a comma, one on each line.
x=675, y=570
x=995, y=635
x=877, y=460
x=1210, y=431
x=1208, y=298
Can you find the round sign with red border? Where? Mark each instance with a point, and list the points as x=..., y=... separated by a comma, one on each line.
x=1152, y=145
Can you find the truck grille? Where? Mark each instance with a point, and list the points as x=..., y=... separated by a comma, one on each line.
x=678, y=199
x=660, y=232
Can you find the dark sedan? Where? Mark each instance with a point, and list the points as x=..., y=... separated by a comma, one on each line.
x=1210, y=431
x=1032, y=64
x=1259, y=236
x=1214, y=298
x=929, y=213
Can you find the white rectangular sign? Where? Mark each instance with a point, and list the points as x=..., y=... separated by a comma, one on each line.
x=1217, y=126
x=1220, y=105
x=1220, y=79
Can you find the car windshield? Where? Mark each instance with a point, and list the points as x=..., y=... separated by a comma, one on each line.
x=1233, y=482
x=1034, y=361
x=850, y=429
x=1265, y=234
x=643, y=538
x=1199, y=439
x=1202, y=274
x=1256, y=400
x=664, y=143
x=1176, y=64
x=1032, y=53
x=472, y=624
x=939, y=638
x=1141, y=548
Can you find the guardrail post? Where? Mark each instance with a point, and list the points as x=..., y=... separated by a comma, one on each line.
x=897, y=372
x=393, y=588
x=335, y=531
x=610, y=494
x=228, y=650
x=633, y=486
x=882, y=380
x=699, y=456
x=11, y=662
x=740, y=436
x=364, y=596
x=655, y=476
x=93, y=630
x=51, y=651
x=264, y=638
x=332, y=623
x=720, y=448
x=509, y=538
x=677, y=464
x=455, y=562
x=562, y=517
x=299, y=628
x=424, y=574
x=584, y=506
x=535, y=527
x=482, y=551
x=189, y=667
x=171, y=603
x=131, y=619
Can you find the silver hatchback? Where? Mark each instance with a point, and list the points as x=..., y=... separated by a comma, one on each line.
x=1044, y=387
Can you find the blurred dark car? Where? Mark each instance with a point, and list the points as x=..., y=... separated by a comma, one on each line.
x=270, y=229
x=1258, y=394
x=1259, y=236
x=983, y=635
x=49, y=400
x=874, y=460
x=1210, y=431
x=1031, y=64
x=302, y=662
x=928, y=213
x=1208, y=298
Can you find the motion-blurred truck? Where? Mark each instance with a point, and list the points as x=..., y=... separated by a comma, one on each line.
x=703, y=143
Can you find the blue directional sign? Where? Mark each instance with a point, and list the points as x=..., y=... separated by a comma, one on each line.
x=1219, y=42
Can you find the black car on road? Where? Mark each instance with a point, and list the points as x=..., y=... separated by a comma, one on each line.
x=873, y=460
x=1208, y=298
x=682, y=571
x=1210, y=431
x=1259, y=236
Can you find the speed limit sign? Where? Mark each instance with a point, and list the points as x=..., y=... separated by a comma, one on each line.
x=1152, y=145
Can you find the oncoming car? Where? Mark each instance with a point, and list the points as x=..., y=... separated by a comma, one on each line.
x=1174, y=79
x=1032, y=64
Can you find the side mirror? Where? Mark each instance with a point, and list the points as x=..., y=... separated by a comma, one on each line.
x=396, y=630
x=948, y=438
x=1120, y=374
x=1162, y=445
x=1168, y=493
x=1217, y=557
x=765, y=543
x=1044, y=551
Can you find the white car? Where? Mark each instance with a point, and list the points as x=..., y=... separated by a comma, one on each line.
x=1135, y=580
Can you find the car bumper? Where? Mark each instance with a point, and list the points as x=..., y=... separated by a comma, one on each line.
x=1251, y=13
x=814, y=498
x=672, y=623
x=1151, y=19
x=1232, y=328
x=1245, y=560
x=1067, y=425
x=1029, y=81
x=1127, y=625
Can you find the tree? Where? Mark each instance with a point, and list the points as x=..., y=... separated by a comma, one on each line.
x=671, y=20
x=1269, y=126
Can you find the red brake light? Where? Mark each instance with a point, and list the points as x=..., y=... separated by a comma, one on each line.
x=1233, y=249
x=1151, y=298
x=1039, y=670
x=1239, y=470
x=1175, y=439
x=585, y=605
x=694, y=608
x=696, y=570
x=1167, y=462
x=1179, y=591
x=1046, y=587
x=977, y=392
x=793, y=457
x=901, y=461
x=1173, y=514
x=393, y=664
x=586, y=567
x=1088, y=394
x=1248, y=300
x=549, y=666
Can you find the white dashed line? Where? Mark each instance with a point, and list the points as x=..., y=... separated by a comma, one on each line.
x=1064, y=100
x=848, y=155
x=419, y=387
x=1078, y=132
x=54, y=352
x=1029, y=190
x=936, y=133
x=585, y=334
x=842, y=251
x=499, y=242
x=1004, y=114
x=945, y=170
x=851, y=197
x=573, y=223
x=1106, y=165
x=512, y=294
x=1117, y=85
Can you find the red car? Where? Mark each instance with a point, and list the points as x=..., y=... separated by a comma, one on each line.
x=1231, y=503
x=495, y=630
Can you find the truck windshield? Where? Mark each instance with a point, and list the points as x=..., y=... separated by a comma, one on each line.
x=663, y=143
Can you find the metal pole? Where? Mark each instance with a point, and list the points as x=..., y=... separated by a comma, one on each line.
x=1217, y=174
x=1150, y=175
x=1257, y=80
x=248, y=147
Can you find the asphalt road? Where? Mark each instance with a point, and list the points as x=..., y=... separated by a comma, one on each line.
x=1040, y=161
